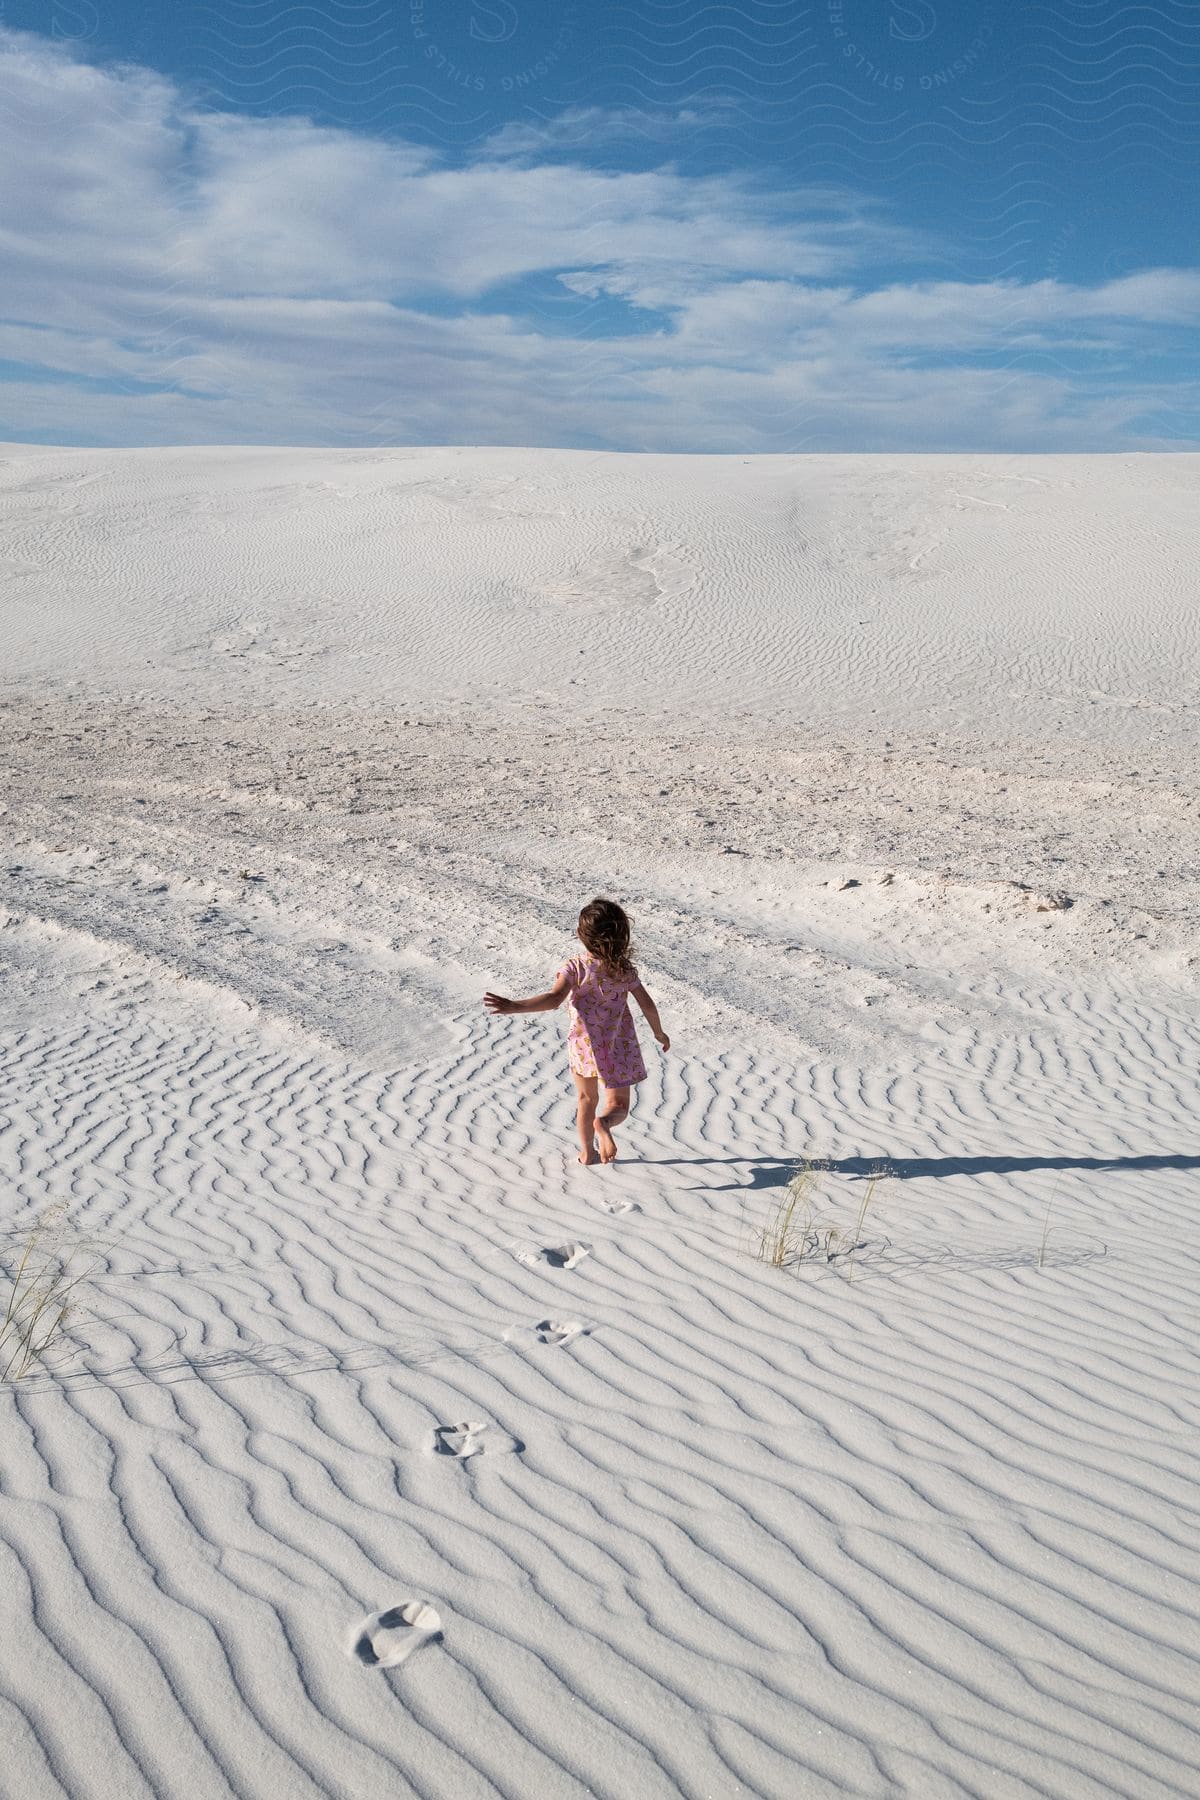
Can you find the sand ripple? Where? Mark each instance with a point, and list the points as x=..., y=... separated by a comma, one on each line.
x=766, y=1532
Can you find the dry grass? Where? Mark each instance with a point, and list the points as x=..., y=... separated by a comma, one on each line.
x=783, y=1239
x=873, y=1180
x=39, y=1294
x=1047, y=1228
x=796, y=1232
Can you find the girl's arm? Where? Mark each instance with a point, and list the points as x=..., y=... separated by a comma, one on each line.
x=651, y=1011
x=496, y=1003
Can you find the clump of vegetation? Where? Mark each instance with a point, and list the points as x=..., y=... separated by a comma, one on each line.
x=783, y=1239
x=1047, y=1228
x=40, y=1288
x=796, y=1231
x=876, y=1176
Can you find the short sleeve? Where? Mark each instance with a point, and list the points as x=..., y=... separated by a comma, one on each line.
x=569, y=970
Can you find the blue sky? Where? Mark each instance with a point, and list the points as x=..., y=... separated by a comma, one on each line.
x=894, y=225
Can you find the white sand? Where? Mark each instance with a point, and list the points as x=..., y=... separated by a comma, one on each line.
x=303, y=750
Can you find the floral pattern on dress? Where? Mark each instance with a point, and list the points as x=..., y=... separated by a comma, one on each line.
x=602, y=1040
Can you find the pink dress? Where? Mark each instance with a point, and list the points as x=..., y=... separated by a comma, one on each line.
x=602, y=1040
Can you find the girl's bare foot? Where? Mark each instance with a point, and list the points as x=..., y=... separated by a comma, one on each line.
x=585, y=1157
x=604, y=1137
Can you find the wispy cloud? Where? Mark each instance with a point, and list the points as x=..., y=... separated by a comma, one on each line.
x=590, y=130
x=175, y=274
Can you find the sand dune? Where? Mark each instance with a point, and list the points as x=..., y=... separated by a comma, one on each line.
x=977, y=593
x=387, y=1450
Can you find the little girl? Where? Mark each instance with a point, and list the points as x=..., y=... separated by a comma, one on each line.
x=602, y=1044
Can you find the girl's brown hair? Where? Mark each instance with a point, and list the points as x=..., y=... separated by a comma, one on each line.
x=604, y=930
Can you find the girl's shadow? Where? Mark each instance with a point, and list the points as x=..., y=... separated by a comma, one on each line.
x=773, y=1171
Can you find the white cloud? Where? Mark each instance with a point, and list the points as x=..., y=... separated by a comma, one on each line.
x=587, y=128
x=303, y=284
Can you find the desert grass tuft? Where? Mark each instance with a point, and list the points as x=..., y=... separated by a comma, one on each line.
x=39, y=1294
x=782, y=1240
x=876, y=1176
x=1047, y=1228
x=795, y=1232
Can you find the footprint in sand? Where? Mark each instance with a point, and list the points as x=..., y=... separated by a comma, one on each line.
x=566, y=1256
x=620, y=1206
x=473, y=1438
x=555, y=1331
x=386, y=1638
x=559, y=1256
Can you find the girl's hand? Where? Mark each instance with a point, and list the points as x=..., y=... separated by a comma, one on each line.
x=664, y=1042
x=496, y=1003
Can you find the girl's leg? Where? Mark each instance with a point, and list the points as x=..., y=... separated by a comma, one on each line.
x=616, y=1111
x=587, y=1088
